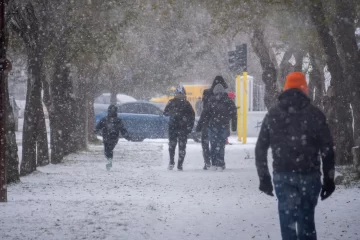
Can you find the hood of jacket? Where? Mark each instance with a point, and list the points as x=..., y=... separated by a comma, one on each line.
x=219, y=80
x=112, y=111
x=293, y=100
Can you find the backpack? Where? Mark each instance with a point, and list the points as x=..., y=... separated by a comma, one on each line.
x=111, y=126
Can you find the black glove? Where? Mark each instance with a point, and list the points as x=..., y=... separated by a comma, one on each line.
x=266, y=185
x=188, y=130
x=327, y=188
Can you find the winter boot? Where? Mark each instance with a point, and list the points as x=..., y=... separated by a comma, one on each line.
x=219, y=169
x=213, y=168
x=180, y=165
x=171, y=166
x=109, y=164
x=207, y=166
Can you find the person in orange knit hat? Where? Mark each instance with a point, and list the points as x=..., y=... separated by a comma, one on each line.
x=298, y=134
x=296, y=80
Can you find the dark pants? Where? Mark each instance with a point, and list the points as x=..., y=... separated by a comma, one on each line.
x=297, y=198
x=205, y=141
x=218, y=137
x=109, y=146
x=176, y=136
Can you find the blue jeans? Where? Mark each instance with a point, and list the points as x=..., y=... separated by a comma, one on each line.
x=297, y=198
x=218, y=137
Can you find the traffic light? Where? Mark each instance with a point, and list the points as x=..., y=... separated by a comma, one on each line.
x=238, y=59
x=241, y=58
x=232, y=61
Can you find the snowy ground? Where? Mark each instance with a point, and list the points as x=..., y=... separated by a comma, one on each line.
x=140, y=199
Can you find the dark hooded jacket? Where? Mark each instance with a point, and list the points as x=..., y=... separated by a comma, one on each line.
x=111, y=126
x=182, y=115
x=218, y=112
x=209, y=92
x=298, y=135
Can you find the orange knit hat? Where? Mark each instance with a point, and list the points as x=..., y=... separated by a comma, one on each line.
x=296, y=80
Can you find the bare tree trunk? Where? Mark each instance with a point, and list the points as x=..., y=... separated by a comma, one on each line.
x=34, y=121
x=82, y=116
x=27, y=26
x=56, y=114
x=113, y=92
x=299, y=58
x=76, y=135
x=285, y=66
x=28, y=163
x=81, y=124
x=43, y=157
x=69, y=110
x=340, y=120
x=90, y=98
x=269, y=76
x=11, y=153
x=91, y=118
x=316, y=81
x=68, y=118
x=346, y=39
x=56, y=142
x=11, y=149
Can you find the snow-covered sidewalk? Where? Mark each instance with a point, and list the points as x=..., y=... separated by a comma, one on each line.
x=140, y=199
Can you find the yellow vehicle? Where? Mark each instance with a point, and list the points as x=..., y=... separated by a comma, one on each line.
x=193, y=92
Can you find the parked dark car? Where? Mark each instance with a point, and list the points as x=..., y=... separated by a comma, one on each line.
x=145, y=120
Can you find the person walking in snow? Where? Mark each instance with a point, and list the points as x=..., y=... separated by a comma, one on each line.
x=111, y=126
x=182, y=117
x=217, y=115
x=207, y=94
x=299, y=136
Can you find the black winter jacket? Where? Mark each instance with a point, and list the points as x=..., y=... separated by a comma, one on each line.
x=219, y=111
x=182, y=115
x=111, y=127
x=298, y=135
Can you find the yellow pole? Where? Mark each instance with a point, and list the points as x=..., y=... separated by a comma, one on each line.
x=245, y=108
x=238, y=105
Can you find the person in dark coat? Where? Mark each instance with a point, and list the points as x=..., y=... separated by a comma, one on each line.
x=110, y=127
x=218, y=113
x=182, y=118
x=207, y=94
x=299, y=136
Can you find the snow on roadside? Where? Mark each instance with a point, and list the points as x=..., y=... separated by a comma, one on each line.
x=140, y=199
